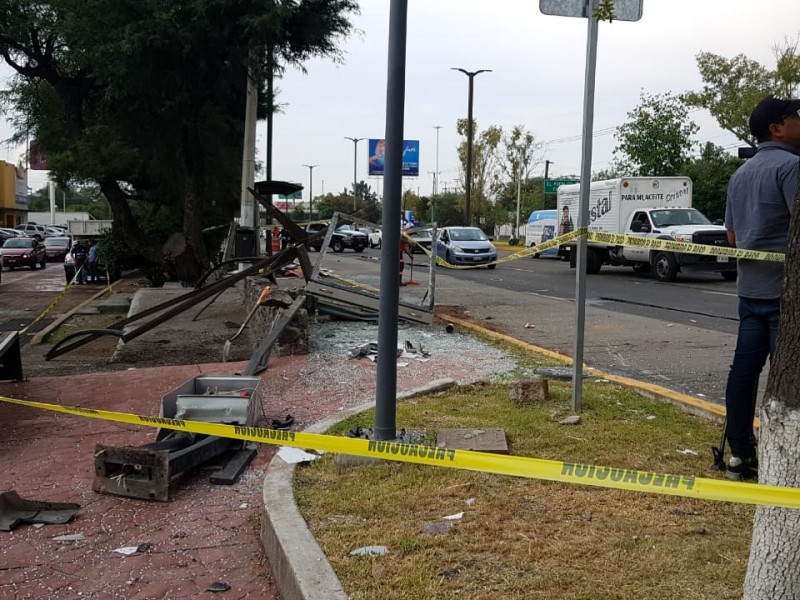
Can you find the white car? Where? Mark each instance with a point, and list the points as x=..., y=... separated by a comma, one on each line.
x=373, y=237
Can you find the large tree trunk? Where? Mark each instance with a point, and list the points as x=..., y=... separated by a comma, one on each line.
x=773, y=572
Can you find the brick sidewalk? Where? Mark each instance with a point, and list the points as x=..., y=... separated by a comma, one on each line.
x=204, y=533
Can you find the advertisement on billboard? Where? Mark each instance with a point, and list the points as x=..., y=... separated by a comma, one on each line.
x=377, y=151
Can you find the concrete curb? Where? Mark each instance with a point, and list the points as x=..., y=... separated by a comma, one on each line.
x=299, y=567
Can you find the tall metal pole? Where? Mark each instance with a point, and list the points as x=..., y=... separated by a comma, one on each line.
x=468, y=192
x=388, y=307
x=310, y=190
x=583, y=213
x=435, y=177
x=355, y=164
x=519, y=192
x=247, y=211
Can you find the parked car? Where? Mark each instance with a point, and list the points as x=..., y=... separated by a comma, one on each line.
x=465, y=246
x=422, y=239
x=55, y=231
x=23, y=252
x=57, y=248
x=34, y=230
x=345, y=236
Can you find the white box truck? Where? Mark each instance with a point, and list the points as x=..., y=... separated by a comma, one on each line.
x=653, y=207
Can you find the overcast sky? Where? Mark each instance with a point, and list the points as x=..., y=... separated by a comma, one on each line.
x=538, y=66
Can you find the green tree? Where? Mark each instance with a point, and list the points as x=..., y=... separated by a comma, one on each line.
x=449, y=209
x=146, y=99
x=485, y=163
x=710, y=174
x=732, y=87
x=657, y=137
x=516, y=164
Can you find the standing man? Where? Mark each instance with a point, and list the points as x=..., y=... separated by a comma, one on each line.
x=92, y=257
x=79, y=260
x=760, y=203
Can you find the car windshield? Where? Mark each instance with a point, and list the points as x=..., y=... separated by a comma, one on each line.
x=467, y=234
x=19, y=243
x=56, y=242
x=679, y=216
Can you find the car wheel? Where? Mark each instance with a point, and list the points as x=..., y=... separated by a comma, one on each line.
x=43, y=263
x=33, y=266
x=358, y=247
x=370, y=244
x=666, y=267
x=447, y=258
x=729, y=275
x=491, y=266
x=378, y=245
x=337, y=246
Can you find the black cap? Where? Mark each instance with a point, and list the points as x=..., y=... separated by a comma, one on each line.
x=770, y=110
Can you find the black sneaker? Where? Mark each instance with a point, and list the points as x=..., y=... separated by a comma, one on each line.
x=741, y=470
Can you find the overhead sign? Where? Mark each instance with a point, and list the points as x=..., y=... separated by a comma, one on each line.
x=295, y=196
x=377, y=154
x=624, y=10
x=551, y=185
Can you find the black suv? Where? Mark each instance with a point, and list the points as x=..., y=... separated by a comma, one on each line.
x=345, y=236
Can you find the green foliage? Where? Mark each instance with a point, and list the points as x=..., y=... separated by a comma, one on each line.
x=449, y=210
x=146, y=97
x=485, y=163
x=657, y=137
x=605, y=11
x=732, y=87
x=710, y=175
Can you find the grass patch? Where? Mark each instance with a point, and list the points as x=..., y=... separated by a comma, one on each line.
x=522, y=538
x=80, y=322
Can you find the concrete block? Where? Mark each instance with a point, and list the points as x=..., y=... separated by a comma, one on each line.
x=527, y=392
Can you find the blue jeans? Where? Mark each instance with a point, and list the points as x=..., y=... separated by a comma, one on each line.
x=758, y=332
x=80, y=268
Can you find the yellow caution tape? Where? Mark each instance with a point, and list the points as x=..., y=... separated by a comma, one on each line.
x=619, y=239
x=52, y=304
x=518, y=466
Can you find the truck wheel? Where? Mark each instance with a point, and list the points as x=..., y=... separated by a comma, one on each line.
x=337, y=246
x=641, y=268
x=666, y=267
x=729, y=275
x=593, y=262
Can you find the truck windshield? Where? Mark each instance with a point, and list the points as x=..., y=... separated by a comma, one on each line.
x=678, y=216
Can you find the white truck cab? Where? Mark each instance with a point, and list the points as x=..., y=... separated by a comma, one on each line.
x=653, y=207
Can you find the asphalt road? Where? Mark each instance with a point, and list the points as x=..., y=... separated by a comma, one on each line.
x=680, y=334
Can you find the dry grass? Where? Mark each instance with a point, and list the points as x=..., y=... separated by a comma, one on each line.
x=521, y=538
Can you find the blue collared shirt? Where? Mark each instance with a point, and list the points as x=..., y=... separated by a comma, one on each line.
x=759, y=207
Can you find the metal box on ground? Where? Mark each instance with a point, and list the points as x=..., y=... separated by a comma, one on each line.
x=228, y=399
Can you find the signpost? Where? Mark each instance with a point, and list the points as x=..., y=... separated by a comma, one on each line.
x=551, y=185
x=623, y=10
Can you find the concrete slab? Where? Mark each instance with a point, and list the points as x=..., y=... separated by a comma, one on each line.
x=116, y=303
x=480, y=440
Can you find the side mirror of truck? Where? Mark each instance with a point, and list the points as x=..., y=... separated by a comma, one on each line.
x=719, y=222
x=640, y=227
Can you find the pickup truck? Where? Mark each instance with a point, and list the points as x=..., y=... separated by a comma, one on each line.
x=652, y=207
x=345, y=236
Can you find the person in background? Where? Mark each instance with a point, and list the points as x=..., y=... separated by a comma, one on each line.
x=759, y=206
x=406, y=247
x=566, y=225
x=92, y=261
x=78, y=253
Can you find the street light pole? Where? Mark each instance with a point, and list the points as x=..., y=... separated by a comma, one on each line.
x=310, y=190
x=471, y=75
x=435, y=176
x=355, y=141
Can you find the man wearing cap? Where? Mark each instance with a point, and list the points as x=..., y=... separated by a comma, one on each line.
x=759, y=208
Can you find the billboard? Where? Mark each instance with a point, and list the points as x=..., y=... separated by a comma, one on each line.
x=410, y=157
